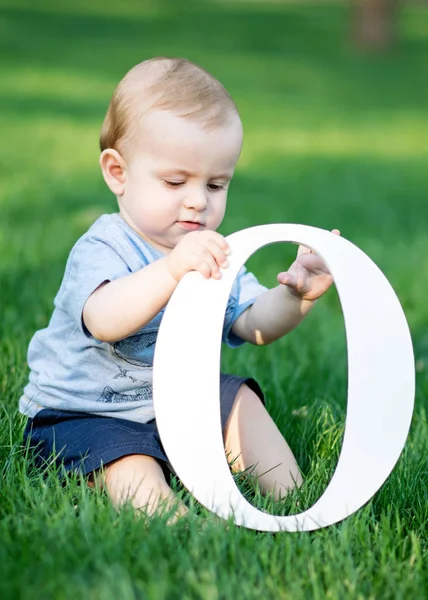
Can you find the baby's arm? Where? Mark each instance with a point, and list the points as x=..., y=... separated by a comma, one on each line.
x=119, y=308
x=279, y=310
x=273, y=314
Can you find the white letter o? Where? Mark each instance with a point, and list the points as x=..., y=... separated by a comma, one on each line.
x=380, y=382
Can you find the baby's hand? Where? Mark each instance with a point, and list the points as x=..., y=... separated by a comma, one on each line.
x=203, y=251
x=308, y=277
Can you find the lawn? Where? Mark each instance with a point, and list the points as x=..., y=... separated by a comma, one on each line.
x=333, y=139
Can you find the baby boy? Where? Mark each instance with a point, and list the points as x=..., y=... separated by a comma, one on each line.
x=169, y=145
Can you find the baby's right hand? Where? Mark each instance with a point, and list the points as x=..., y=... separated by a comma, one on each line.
x=203, y=251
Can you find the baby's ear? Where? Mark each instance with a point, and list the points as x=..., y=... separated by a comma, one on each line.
x=113, y=167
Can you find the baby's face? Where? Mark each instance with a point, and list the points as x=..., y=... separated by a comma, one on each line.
x=177, y=177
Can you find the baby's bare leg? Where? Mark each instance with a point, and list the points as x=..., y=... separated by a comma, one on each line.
x=253, y=439
x=139, y=479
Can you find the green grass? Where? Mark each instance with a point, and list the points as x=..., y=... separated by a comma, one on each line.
x=333, y=139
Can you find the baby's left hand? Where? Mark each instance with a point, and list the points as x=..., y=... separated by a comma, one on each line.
x=308, y=277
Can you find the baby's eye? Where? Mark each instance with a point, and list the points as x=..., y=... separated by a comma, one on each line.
x=174, y=184
x=215, y=187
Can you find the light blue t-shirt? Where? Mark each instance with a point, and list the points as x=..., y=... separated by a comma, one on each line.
x=70, y=369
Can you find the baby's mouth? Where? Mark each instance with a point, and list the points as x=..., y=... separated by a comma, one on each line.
x=190, y=225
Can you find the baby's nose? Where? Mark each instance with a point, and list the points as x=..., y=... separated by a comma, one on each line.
x=196, y=200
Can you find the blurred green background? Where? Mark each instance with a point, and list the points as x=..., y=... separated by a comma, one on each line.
x=333, y=137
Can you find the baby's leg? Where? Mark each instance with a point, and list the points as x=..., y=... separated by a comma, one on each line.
x=253, y=439
x=139, y=479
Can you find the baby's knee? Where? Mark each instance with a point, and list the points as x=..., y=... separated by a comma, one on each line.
x=135, y=466
x=247, y=402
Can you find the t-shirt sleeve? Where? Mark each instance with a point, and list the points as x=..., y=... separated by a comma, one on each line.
x=245, y=290
x=91, y=262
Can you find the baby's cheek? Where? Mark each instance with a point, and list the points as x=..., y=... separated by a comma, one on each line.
x=217, y=215
x=166, y=208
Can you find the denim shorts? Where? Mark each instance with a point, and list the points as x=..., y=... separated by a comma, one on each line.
x=85, y=442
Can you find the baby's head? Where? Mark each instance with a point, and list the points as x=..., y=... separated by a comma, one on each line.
x=169, y=144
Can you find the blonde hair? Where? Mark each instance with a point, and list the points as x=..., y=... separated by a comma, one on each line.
x=174, y=84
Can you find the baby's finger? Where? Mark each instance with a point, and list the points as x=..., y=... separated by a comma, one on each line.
x=287, y=278
x=303, y=250
x=335, y=231
x=283, y=278
x=220, y=240
x=207, y=264
x=313, y=263
x=205, y=269
x=217, y=253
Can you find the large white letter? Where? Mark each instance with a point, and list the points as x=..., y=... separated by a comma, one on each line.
x=380, y=382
